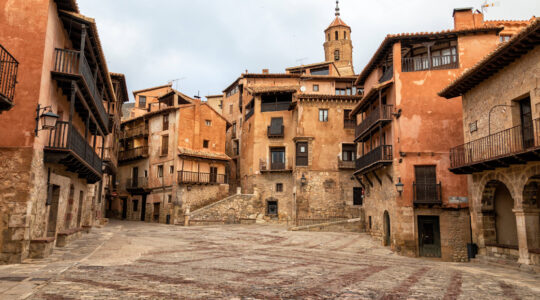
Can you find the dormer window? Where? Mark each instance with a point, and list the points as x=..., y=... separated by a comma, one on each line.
x=336, y=55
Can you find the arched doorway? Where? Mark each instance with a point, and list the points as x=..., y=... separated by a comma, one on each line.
x=386, y=228
x=499, y=220
x=531, y=205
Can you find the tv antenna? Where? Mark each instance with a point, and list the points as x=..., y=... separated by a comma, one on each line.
x=198, y=96
x=175, y=82
x=487, y=5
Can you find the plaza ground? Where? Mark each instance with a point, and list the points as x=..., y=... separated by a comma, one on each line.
x=130, y=260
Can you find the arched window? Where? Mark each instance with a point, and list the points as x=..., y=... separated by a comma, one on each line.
x=336, y=55
x=345, y=34
x=337, y=36
x=328, y=37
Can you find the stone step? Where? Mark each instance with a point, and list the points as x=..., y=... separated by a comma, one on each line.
x=505, y=263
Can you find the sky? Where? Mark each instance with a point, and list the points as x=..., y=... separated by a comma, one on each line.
x=207, y=44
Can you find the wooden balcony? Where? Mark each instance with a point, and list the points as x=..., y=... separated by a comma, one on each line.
x=377, y=158
x=136, y=185
x=110, y=159
x=442, y=62
x=388, y=74
x=275, y=132
x=70, y=65
x=346, y=164
x=188, y=177
x=381, y=115
x=8, y=78
x=427, y=193
x=139, y=131
x=133, y=154
x=68, y=147
x=516, y=145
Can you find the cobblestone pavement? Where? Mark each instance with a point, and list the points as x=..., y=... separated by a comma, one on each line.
x=128, y=260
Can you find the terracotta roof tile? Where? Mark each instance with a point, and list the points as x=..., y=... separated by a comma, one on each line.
x=270, y=89
x=182, y=151
x=337, y=22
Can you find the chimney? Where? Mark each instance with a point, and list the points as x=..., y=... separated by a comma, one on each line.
x=465, y=18
x=265, y=71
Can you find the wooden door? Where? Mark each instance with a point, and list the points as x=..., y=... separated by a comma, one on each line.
x=527, y=129
x=302, y=154
x=425, y=183
x=429, y=236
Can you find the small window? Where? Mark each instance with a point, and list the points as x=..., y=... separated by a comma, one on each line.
x=145, y=173
x=135, y=205
x=315, y=87
x=279, y=187
x=345, y=34
x=142, y=101
x=230, y=108
x=337, y=35
x=208, y=122
x=169, y=198
x=165, y=122
x=323, y=115
x=369, y=222
x=336, y=55
x=234, y=130
x=160, y=171
x=272, y=208
x=171, y=169
x=165, y=145
x=348, y=152
x=205, y=143
x=220, y=103
x=328, y=37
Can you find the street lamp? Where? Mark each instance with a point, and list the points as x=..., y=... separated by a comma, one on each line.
x=399, y=186
x=48, y=119
x=303, y=180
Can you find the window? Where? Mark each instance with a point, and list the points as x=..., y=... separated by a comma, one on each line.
x=205, y=144
x=165, y=145
x=236, y=148
x=169, y=198
x=145, y=173
x=348, y=120
x=234, y=130
x=504, y=37
x=279, y=187
x=341, y=92
x=275, y=102
x=142, y=101
x=358, y=196
x=425, y=185
x=323, y=115
x=277, y=158
x=221, y=104
x=337, y=35
x=230, y=108
x=302, y=154
x=336, y=55
x=315, y=87
x=328, y=37
x=369, y=222
x=348, y=152
x=160, y=171
x=320, y=71
x=135, y=205
x=345, y=34
x=271, y=208
x=165, y=122
x=171, y=169
x=276, y=128
x=208, y=122
x=213, y=174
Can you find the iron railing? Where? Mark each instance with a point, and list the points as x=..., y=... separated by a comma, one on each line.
x=440, y=62
x=8, y=74
x=274, y=134
x=66, y=137
x=497, y=145
x=136, y=183
x=427, y=193
x=201, y=178
x=380, y=154
x=375, y=116
x=133, y=153
x=71, y=62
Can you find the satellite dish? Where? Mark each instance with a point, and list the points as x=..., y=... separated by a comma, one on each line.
x=303, y=89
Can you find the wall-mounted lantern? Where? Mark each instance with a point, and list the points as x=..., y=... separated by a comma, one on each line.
x=399, y=186
x=48, y=118
x=303, y=180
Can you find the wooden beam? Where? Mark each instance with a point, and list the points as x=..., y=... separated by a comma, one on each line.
x=377, y=177
x=369, y=181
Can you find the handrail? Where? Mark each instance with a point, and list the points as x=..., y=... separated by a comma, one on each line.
x=427, y=193
x=381, y=153
x=133, y=153
x=439, y=62
x=8, y=74
x=373, y=117
x=201, y=177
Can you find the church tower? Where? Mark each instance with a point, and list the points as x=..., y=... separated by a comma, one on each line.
x=338, y=46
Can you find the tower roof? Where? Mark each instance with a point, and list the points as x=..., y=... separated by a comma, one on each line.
x=337, y=21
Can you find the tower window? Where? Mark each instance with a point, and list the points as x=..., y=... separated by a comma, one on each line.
x=336, y=55
x=337, y=36
x=328, y=37
x=345, y=34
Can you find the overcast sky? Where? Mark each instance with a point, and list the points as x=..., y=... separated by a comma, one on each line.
x=209, y=43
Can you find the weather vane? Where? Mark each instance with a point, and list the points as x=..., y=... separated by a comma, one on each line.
x=337, y=8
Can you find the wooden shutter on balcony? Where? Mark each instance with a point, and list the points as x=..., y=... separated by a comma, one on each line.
x=425, y=183
x=302, y=154
x=276, y=126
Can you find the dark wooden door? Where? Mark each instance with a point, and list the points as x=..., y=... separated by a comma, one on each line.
x=124, y=208
x=277, y=156
x=54, y=196
x=358, y=196
x=429, y=236
x=527, y=129
x=213, y=174
x=135, y=177
x=302, y=154
x=143, y=208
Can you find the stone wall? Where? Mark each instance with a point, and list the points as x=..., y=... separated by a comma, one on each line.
x=232, y=209
x=351, y=225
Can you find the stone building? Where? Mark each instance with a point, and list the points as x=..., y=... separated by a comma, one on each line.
x=216, y=102
x=172, y=159
x=51, y=140
x=501, y=100
x=291, y=138
x=413, y=202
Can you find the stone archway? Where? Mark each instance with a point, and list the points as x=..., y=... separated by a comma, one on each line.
x=499, y=221
x=531, y=212
x=386, y=229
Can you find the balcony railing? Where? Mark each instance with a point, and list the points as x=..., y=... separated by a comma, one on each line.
x=496, y=150
x=427, y=193
x=275, y=106
x=136, y=183
x=65, y=137
x=349, y=123
x=412, y=64
x=70, y=62
x=275, y=133
x=378, y=114
x=135, y=153
x=134, y=132
x=188, y=177
x=346, y=164
x=8, y=78
x=377, y=157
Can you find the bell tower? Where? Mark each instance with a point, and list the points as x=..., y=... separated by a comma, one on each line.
x=338, y=45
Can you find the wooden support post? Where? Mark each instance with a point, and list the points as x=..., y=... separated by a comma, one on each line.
x=367, y=179
x=71, y=112
x=377, y=177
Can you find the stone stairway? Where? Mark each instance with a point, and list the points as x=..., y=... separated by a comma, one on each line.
x=235, y=209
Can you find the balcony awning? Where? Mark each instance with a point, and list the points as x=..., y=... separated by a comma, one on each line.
x=205, y=155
